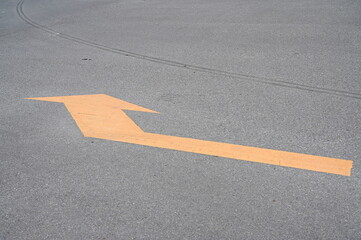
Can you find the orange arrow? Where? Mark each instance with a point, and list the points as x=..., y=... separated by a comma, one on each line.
x=102, y=116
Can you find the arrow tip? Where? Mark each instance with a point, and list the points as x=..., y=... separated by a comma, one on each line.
x=48, y=99
x=95, y=100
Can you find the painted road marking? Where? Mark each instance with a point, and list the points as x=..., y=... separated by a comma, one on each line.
x=102, y=116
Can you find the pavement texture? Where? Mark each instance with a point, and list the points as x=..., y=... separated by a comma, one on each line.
x=277, y=74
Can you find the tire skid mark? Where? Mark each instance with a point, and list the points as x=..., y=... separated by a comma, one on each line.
x=244, y=77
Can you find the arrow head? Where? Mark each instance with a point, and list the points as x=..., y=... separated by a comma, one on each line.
x=96, y=100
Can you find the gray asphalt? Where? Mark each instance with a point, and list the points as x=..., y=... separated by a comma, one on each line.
x=277, y=74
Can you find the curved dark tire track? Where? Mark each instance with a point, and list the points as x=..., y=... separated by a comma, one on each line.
x=19, y=9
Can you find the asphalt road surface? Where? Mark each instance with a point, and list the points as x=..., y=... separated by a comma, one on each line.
x=273, y=74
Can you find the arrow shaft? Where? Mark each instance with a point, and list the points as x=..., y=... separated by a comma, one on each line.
x=252, y=154
x=113, y=124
